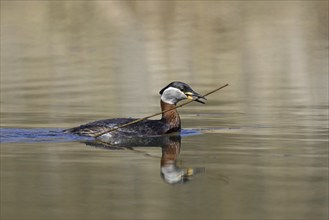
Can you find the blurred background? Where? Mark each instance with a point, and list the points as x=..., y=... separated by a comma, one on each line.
x=64, y=63
x=74, y=60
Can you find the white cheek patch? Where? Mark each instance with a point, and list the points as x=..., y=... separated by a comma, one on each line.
x=172, y=95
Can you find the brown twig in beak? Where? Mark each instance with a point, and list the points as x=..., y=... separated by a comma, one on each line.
x=142, y=119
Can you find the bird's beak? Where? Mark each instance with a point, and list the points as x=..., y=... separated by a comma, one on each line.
x=195, y=96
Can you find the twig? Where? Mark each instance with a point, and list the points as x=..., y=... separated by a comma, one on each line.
x=142, y=119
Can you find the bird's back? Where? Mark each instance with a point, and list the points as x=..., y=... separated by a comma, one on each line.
x=142, y=128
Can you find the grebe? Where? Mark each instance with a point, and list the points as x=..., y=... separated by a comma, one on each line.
x=170, y=121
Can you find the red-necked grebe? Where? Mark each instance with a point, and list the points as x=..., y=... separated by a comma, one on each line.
x=170, y=121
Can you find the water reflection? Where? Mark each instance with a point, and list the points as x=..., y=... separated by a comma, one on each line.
x=170, y=145
x=68, y=62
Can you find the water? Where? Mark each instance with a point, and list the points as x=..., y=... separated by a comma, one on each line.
x=257, y=150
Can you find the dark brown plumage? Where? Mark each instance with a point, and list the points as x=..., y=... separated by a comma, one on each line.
x=170, y=121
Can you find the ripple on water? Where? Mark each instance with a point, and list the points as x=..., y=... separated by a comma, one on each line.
x=14, y=135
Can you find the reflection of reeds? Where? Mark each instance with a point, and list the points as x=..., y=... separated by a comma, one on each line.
x=90, y=60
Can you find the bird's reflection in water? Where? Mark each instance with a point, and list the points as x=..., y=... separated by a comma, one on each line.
x=170, y=145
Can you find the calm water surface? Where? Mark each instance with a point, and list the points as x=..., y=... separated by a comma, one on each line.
x=257, y=150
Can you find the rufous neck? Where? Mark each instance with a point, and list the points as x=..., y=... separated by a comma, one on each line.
x=170, y=116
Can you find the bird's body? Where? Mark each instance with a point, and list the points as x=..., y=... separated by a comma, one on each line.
x=169, y=123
